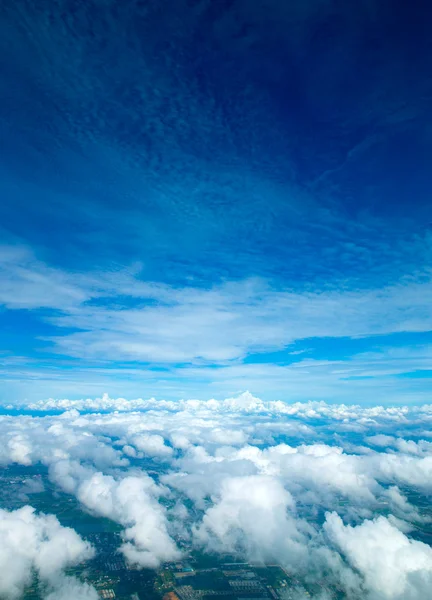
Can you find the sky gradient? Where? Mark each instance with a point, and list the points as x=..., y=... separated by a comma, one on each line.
x=201, y=198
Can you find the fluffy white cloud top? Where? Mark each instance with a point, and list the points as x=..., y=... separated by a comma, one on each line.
x=254, y=515
x=38, y=544
x=133, y=502
x=393, y=566
x=247, y=477
x=244, y=403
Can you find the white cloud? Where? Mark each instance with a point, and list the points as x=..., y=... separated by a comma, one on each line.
x=393, y=566
x=212, y=325
x=248, y=403
x=381, y=440
x=238, y=475
x=235, y=319
x=133, y=502
x=151, y=445
x=69, y=588
x=26, y=282
x=251, y=515
x=32, y=543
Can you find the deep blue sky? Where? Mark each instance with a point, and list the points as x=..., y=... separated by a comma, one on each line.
x=203, y=197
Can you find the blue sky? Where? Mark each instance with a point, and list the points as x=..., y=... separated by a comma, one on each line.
x=200, y=198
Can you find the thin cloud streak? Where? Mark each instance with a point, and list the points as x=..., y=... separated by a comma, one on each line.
x=102, y=318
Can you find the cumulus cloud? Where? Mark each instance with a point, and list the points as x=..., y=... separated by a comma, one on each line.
x=247, y=403
x=241, y=476
x=32, y=543
x=69, y=588
x=151, y=445
x=133, y=502
x=251, y=515
x=380, y=439
x=392, y=565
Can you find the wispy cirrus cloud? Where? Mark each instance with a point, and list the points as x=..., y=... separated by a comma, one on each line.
x=119, y=319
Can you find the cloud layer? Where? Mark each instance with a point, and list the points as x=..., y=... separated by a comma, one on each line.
x=231, y=335
x=37, y=544
x=319, y=488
